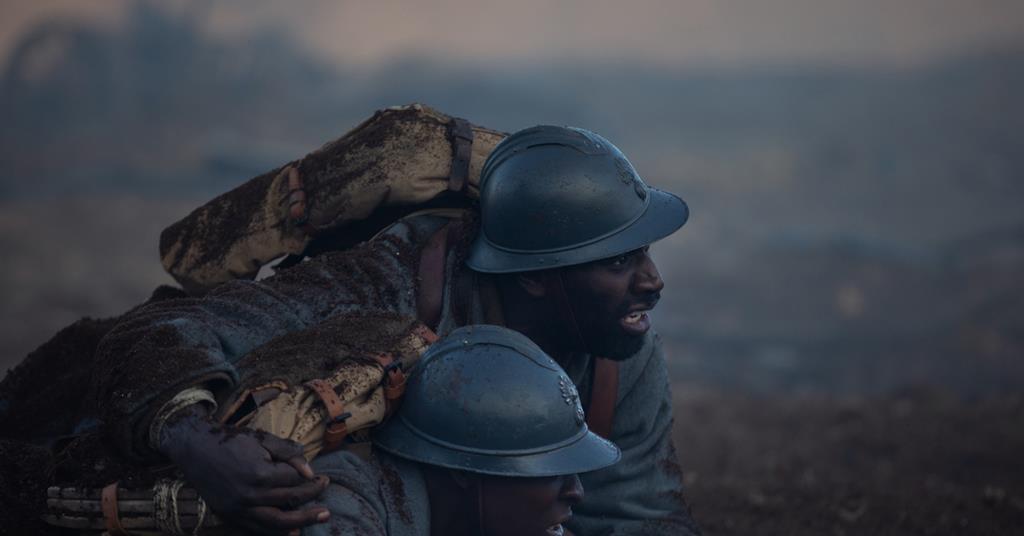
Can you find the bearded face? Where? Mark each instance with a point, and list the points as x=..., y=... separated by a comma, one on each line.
x=610, y=300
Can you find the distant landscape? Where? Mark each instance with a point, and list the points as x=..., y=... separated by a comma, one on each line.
x=854, y=230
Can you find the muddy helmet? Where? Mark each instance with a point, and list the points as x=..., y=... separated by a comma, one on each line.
x=486, y=399
x=558, y=196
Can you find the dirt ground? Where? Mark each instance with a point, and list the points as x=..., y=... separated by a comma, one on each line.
x=919, y=462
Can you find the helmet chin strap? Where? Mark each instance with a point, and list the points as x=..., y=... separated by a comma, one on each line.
x=480, y=506
x=566, y=310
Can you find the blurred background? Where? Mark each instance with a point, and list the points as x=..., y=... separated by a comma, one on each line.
x=855, y=171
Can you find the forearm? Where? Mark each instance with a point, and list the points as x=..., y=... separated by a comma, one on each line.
x=173, y=435
x=174, y=424
x=160, y=350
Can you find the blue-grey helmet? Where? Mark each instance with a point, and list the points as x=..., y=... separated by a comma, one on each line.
x=486, y=399
x=558, y=196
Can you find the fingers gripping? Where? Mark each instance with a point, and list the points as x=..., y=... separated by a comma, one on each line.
x=289, y=452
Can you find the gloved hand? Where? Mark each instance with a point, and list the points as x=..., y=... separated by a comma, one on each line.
x=252, y=479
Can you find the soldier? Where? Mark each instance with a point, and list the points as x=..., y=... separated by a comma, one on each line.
x=560, y=255
x=488, y=441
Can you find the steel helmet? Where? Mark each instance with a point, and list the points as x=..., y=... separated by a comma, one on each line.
x=558, y=196
x=487, y=400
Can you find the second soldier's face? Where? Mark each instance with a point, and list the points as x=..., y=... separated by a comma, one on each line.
x=611, y=299
x=528, y=506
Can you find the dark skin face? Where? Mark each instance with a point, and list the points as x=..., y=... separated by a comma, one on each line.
x=528, y=506
x=603, y=312
x=500, y=506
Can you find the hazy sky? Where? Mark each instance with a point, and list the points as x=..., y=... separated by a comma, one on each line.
x=722, y=32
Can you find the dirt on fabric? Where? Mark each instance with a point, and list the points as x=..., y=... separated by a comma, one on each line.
x=316, y=352
x=41, y=399
x=339, y=181
x=914, y=463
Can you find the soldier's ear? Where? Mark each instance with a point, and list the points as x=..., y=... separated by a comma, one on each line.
x=532, y=283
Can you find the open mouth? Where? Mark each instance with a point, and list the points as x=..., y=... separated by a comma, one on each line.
x=634, y=317
x=558, y=529
x=636, y=322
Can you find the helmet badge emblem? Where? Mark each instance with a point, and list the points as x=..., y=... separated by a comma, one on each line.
x=629, y=178
x=571, y=397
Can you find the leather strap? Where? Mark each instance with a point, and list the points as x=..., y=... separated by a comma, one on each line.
x=297, y=207
x=336, y=428
x=604, y=393
x=108, y=505
x=394, y=380
x=431, y=271
x=395, y=385
x=461, y=134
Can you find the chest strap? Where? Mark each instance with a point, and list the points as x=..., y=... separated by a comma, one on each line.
x=604, y=393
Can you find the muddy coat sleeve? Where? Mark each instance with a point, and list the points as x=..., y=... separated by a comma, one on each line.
x=159, y=350
x=643, y=493
x=353, y=497
x=382, y=495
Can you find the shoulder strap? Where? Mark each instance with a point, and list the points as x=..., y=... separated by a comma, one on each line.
x=604, y=393
x=433, y=266
x=430, y=292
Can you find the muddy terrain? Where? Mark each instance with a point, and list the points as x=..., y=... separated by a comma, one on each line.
x=912, y=463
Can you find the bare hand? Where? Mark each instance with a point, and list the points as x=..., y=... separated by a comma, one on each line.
x=253, y=479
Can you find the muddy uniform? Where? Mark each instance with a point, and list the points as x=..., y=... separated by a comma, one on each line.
x=161, y=349
x=382, y=496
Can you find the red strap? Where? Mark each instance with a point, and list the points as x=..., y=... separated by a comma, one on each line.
x=297, y=207
x=108, y=504
x=431, y=272
x=336, y=428
x=394, y=388
x=604, y=392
